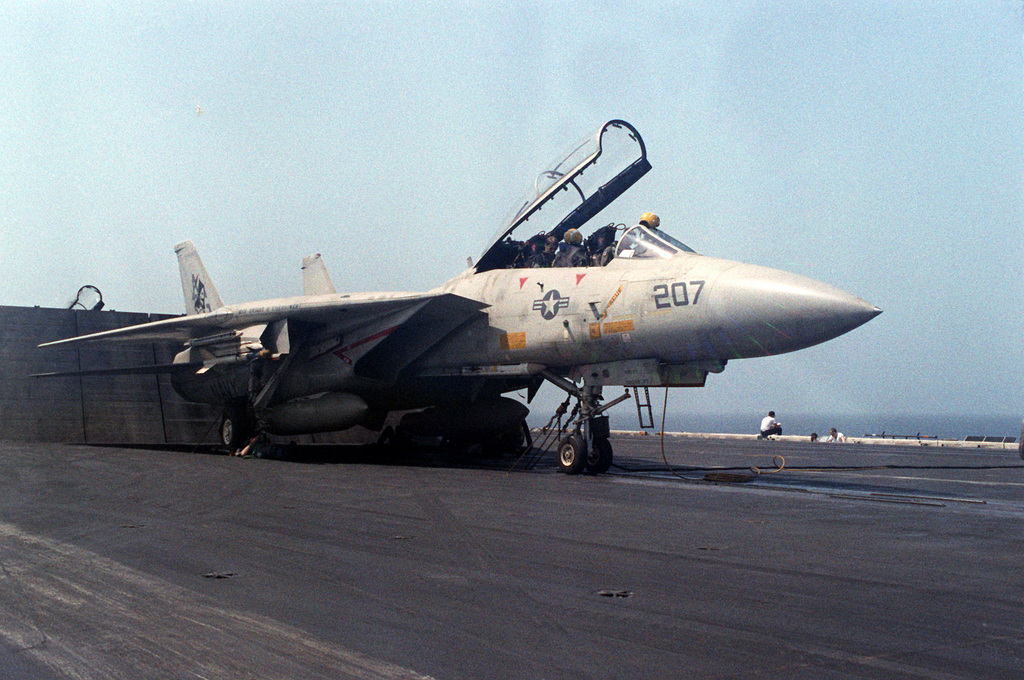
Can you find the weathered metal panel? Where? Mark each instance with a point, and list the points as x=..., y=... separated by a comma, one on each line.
x=32, y=409
x=121, y=409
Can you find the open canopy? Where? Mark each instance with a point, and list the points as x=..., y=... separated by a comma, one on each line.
x=574, y=188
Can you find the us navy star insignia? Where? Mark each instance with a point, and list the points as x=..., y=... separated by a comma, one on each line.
x=549, y=305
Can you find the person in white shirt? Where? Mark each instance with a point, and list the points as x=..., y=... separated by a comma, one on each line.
x=769, y=426
x=834, y=436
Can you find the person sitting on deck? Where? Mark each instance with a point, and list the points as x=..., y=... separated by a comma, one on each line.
x=770, y=426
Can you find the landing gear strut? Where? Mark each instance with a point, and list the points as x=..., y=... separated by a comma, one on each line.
x=242, y=422
x=587, y=448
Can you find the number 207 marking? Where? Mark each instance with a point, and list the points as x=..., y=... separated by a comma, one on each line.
x=677, y=294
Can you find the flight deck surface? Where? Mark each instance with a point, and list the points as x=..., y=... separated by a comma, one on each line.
x=852, y=561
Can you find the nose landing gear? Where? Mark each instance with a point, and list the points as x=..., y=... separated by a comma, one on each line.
x=587, y=447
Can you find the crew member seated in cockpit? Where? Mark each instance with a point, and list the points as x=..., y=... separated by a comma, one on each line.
x=570, y=251
x=601, y=246
x=541, y=257
x=530, y=249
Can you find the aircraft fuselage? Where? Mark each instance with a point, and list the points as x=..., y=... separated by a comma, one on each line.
x=633, y=322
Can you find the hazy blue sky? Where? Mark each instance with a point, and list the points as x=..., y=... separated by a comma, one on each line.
x=873, y=145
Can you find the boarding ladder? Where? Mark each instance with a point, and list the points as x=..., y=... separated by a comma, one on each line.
x=644, y=408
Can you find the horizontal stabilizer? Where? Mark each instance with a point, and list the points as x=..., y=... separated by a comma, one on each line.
x=127, y=370
x=180, y=328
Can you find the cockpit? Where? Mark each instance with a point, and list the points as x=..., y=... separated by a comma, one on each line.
x=642, y=242
x=566, y=195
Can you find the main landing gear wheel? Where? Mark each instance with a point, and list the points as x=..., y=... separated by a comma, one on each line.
x=599, y=459
x=515, y=440
x=570, y=455
x=235, y=428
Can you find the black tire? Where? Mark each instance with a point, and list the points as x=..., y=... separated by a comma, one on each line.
x=514, y=441
x=600, y=457
x=570, y=455
x=235, y=428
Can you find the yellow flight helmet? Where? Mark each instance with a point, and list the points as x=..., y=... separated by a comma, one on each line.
x=650, y=219
x=574, y=237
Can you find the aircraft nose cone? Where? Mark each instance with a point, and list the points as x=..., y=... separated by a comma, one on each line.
x=761, y=311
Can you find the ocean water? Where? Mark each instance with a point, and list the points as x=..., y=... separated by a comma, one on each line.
x=951, y=426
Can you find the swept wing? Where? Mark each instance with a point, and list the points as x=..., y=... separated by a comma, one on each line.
x=416, y=322
x=322, y=310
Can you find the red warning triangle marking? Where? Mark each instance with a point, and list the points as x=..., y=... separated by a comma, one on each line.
x=522, y=281
x=579, y=277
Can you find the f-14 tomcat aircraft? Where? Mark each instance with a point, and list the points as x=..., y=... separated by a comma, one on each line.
x=622, y=305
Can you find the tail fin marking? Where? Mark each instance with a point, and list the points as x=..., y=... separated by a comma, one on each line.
x=196, y=286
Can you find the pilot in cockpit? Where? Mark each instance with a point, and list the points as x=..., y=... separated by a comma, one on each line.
x=570, y=251
x=601, y=245
x=541, y=251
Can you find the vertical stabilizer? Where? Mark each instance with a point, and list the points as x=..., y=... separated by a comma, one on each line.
x=315, y=279
x=196, y=285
